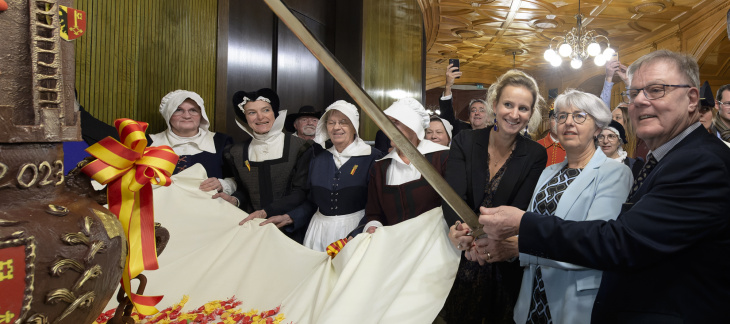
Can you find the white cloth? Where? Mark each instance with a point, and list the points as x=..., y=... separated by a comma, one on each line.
x=324, y=230
x=201, y=142
x=400, y=274
x=269, y=146
x=410, y=112
x=356, y=148
x=346, y=108
x=399, y=173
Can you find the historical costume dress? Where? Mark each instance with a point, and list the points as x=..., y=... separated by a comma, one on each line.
x=271, y=169
x=338, y=183
x=397, y=191
x=205, y=147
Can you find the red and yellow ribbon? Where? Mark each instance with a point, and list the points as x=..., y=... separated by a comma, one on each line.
x=129, y=169
x=336, y=247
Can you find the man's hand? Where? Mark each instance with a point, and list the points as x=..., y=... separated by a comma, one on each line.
x=257, y=214
x=226, y=197
x=450, y=78
x=211, y=184
x=279, y=220
x=502, y=222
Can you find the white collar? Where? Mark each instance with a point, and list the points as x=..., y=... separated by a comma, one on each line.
x=356, y=148
x=203, y=140
x=424, y=147
x=275, y=129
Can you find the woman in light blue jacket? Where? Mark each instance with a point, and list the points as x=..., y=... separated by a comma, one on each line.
x=586, y=186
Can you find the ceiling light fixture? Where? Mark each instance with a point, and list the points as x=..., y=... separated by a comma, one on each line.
x=578, y=45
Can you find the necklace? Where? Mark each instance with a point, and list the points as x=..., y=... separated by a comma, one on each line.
x=496, y=162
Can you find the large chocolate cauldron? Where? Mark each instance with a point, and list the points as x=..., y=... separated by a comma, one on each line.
x=61, y=253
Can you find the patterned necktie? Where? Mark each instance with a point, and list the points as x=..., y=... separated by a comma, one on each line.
x=650, y=163
x=539, y=309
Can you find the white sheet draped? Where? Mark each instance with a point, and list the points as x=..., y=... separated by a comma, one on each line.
x=399, y=274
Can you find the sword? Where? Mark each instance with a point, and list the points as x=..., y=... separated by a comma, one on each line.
x=368, y=105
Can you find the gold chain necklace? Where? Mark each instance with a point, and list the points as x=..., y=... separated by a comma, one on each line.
x=497, y=162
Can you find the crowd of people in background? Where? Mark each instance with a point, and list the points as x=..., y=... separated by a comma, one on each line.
x=614, y=216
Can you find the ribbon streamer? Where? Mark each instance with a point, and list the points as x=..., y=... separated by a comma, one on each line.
x=129, y=169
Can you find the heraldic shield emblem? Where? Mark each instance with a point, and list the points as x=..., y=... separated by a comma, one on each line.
x=17, y=256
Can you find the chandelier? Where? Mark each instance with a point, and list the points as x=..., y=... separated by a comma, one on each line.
x=578, y=45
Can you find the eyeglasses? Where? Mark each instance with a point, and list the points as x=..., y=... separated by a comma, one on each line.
x=192, y=112
x=724, y=104
x=651, y=92
x=610, y=137
x=481, y=110
x=578, y=117
x=343, y=123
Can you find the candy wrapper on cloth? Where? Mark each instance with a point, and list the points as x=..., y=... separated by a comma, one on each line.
x=129, y=169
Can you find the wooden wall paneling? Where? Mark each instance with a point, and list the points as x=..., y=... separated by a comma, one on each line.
x=300, y=76
x=221, y=77
x=348, y=42
x=392, y=43
x=135, y=52
x=251, y=34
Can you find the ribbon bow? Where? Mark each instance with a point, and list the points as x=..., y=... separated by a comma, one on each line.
x=130, y=168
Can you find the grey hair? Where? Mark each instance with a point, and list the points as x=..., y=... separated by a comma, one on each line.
x=587, y=102
x=477, y=100
x=685, y=64
x=517, y=78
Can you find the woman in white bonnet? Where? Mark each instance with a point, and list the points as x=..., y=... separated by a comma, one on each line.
x=439, y=131
x=188, y=135
x=338, y=177
x=397, y=191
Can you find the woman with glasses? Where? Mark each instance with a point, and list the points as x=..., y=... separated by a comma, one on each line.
x=338, y=177
x=586, y=186
x=188, y=135
x=491, y=167
x=612, y=140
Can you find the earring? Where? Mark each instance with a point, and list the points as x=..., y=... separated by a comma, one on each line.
x=526, y=131
x=496, y=129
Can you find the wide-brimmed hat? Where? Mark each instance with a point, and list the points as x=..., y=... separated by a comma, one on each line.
x=240, y=99
x=308, y=111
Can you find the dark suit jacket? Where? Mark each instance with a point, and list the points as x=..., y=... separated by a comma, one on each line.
x=665, y=258
x=467, y=171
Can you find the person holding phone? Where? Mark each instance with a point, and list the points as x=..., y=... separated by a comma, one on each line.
x=478, y=118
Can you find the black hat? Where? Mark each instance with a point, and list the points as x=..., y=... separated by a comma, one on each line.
x=706, y=98
x=267, y=93
x=303, y=111
x=620, y=129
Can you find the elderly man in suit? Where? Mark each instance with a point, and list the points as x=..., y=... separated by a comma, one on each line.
x=665, y=257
